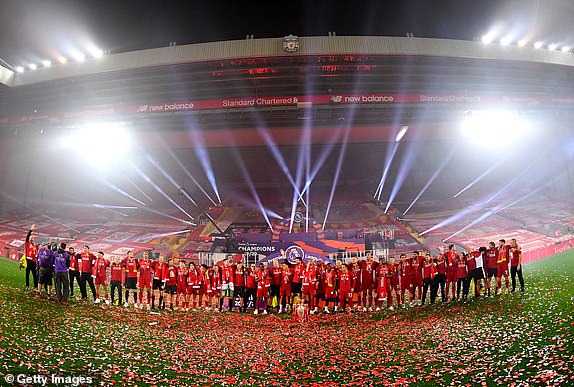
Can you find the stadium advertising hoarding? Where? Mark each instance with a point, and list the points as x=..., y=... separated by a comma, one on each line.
x=275, y=101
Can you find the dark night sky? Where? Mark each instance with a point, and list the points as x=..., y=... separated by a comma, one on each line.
x=31, y=30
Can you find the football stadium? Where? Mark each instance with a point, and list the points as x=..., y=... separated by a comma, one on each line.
x=312, y=209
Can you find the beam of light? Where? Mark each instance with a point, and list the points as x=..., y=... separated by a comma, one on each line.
x=404, y=169
x=386, y=169
x=337, y=172
x=154, y=236
x=495, y=211
x=139, y=189
x=304, y=141
x=323, y=155
x=148, y=209
x=480, y=177
x=453, y=218
x=433, y=177
x=39, y=212
x=203, y=156
x=308, y=190
x=251, y=204
x=158, y=189
x=401, y=133
x=176, y=159
x=121, y=191
x=251, y=186
x=97, y=205
x=279, y=158
x=539, y=159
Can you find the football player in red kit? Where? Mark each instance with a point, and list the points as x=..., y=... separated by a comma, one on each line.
x=461, y=274
x=515, y=256
x=99, y=274
x=170, y=279
x=491, y=264
x=368, y=280
x=144, y=281
x=346, y=288
x=193, y=287
x=502, y=266
x=330, y=288
x=309, y=285
x=406, y=279
x=251, y=286
x=285, y=288
x=439, y=278
x=428, y=274
x=417, y=261
x=181, y=286
x=275, y=280
x=227, y=282
x=297, y=279
x=383, y=282
x=117, y=274
x=263, y=283
x=216, y=289
x=86, y=262
x=451, y=257
x=355, y=269
x=159, y=272
x=204, y=288
x=130, y=265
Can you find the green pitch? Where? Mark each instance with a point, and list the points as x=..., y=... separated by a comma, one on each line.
x=512, y=339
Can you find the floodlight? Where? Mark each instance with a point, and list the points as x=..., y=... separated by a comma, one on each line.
x=505, y=41
x=522, y=42
x=565, y=49
x=552, y=46
x=46, y=63
x=62, y=60
x=33, y=66
x=79, y=56
x=494, y=128
x=488, y=38
x=19, y=69
x=96, y=52
x=101, y=144
x=538, y=45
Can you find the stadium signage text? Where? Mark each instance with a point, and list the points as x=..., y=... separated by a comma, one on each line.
x=290, y=100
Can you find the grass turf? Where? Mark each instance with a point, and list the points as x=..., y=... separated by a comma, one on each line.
x=518, y=339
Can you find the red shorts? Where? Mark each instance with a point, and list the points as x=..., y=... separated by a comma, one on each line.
x=144, y=283
x=285, y=291
x=262, y=292
x=308, y=290
x=329, y=292
x=502, y=269
x=181, y=289
x=346, y=297
x=417, y=282
x=450, y=274
x=367, y=285
x=194, y=291
x=406, y=283
x=100, y=281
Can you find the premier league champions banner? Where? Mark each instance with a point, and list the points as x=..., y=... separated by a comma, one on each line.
x=281, y=251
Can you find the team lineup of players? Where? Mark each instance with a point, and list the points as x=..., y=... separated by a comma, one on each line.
x=363, y=285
